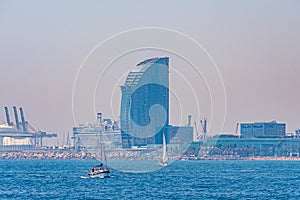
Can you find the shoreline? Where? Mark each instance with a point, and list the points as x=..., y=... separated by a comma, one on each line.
x=82, y=155
x=274, y=158
x=46, y=155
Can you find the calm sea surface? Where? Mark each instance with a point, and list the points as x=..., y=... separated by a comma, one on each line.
x=182, y=180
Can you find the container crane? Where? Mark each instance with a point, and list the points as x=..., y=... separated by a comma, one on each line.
x=204, y=128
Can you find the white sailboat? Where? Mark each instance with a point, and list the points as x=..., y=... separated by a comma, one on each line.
x=100, y=171
x=165, y=157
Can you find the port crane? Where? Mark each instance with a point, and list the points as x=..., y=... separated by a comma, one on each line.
x=24, y=129
x=203, y=124
x=204, y=128
x=202, y=138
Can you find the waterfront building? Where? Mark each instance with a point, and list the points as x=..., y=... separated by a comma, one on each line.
x=245, y=147
x=262, y=129
x=179, y=134
x=12, y=138
x=146, y=86
x=87, y=136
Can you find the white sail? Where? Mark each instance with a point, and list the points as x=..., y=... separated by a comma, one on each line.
x=165, y=156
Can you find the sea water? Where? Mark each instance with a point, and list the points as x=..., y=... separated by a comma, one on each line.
x=61, y=179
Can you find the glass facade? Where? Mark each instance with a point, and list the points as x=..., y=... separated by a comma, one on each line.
x=145, y=103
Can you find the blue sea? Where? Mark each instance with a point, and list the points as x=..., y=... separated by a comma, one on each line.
x=61, y=179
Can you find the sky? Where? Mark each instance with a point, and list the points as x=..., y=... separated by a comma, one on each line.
x=255, y=45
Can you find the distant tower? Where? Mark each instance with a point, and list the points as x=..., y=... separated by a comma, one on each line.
x=146, y=85
x=189, y=120
x=99, y=118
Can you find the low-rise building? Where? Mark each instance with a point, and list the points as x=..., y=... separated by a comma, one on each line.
x=262, y=129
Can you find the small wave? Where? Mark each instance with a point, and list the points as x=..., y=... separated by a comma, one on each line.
x=84, y=177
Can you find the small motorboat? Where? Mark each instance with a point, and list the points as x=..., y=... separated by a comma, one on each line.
x=99, y=172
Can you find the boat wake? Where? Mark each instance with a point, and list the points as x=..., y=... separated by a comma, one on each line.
x=84, y=177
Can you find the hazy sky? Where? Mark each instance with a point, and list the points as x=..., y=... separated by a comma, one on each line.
x=255, y=44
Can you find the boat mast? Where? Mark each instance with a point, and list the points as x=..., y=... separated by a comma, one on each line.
x=102, y=150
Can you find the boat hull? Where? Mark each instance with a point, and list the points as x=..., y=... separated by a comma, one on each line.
x=163, y=164
x=100, y=175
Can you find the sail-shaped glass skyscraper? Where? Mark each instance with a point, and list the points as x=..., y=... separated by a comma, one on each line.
x=145, y=103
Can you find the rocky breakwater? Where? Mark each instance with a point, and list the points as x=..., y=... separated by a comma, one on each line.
x=46, y=155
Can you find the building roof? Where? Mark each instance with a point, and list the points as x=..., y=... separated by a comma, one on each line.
x=135, y=75
x=271, y=122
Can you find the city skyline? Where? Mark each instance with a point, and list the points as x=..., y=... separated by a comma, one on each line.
x=256, y=54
